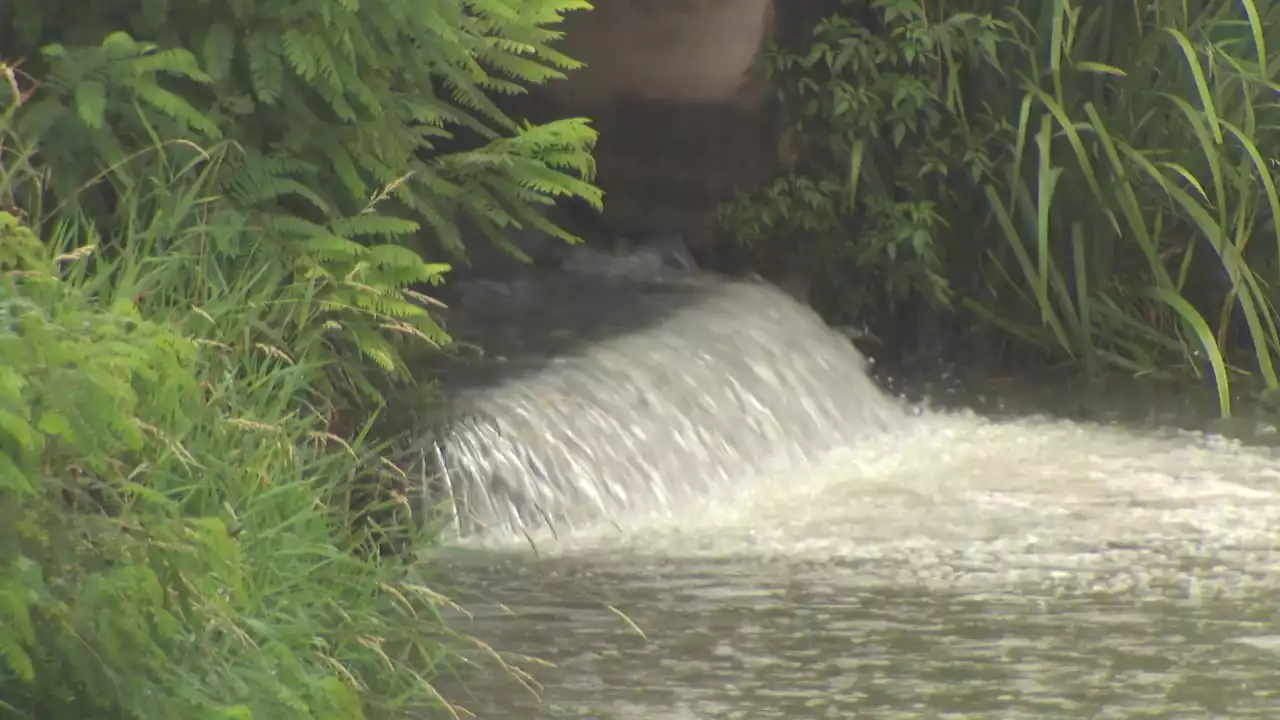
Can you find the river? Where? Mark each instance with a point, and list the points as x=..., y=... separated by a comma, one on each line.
x=966, y=567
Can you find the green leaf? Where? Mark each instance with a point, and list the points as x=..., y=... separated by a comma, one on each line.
x=1201, y=330
x=371, y=224
x=179, y=109
x=12, y=477
x=18, y=661
x=56, y=424
x=91, y=103
x=19, y=429
x=232, y=712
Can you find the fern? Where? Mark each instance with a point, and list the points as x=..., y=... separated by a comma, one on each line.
x=373, y=122
x=378, y=90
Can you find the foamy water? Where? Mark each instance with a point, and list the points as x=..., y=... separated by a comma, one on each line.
x=958, y=568
x=714, y=513
x=731, y=382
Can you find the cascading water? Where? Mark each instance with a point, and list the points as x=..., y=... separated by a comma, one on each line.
x=804, y=562
x=602, y=399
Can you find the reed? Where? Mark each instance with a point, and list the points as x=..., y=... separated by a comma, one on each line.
x=1138, y=152
x=1095, y=179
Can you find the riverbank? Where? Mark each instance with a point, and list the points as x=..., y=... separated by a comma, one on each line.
x=221, y=225
x=180, y=534
x=221, y=243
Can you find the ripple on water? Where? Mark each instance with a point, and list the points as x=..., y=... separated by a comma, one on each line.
x=963, y=568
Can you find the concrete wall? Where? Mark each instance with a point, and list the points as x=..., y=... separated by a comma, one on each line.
x=683, y=51
x=671, y=86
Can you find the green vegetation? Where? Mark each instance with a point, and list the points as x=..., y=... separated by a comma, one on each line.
x=1094, y=178
x=214, y=225
x=348, y=128
x=219, y=222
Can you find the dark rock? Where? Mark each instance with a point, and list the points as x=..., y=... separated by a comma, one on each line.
x=654, y=258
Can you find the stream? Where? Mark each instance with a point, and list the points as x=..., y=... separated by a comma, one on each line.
x=966, y=566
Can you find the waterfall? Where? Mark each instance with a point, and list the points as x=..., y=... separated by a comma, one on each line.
x=599, y=397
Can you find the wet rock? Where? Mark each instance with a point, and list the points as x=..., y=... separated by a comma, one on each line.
x=528, y=250
x=652, y=259
x=493, y=295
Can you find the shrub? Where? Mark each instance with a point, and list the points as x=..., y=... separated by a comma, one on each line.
x=172, y=541
x=200, y=248
x=883, y=155
x=328, y=109
x=1071, y=171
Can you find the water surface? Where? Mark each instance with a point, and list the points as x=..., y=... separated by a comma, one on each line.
x=962, y=568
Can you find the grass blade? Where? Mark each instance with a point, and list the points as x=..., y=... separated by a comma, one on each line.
x=1201, y=330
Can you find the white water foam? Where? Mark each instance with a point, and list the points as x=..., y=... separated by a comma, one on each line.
x=958, y=500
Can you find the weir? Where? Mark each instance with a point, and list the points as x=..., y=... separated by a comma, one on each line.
x=606, y=396
x=616, y=387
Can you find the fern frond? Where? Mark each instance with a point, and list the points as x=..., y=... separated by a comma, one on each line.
x=373, y=225
x=266, y=67
x=358, y=133
x=217, y=50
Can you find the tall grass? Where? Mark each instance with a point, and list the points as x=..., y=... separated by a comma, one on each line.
x=1097, y=179
x=178, y=535
x=1141, y=151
